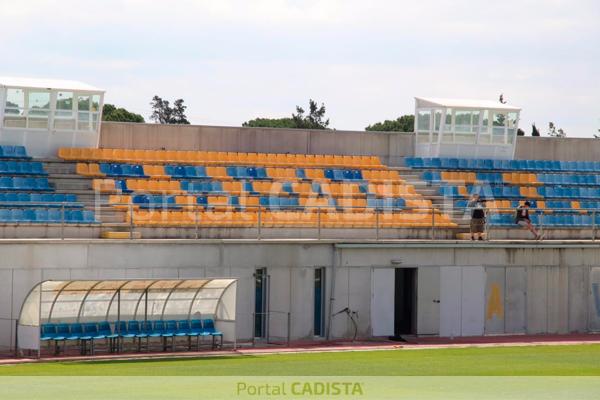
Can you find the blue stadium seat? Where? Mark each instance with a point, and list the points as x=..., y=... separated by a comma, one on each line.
x=121, y=184
x=16, y=215
x=62, y=331
x=445, y=163
x=242, y=173
x=372, y=202
x=338, y=175
x=251, y=172
x=13, y=152
x=133, y=329
x=75, y=332
x=158, y=329
x=232, y=172
x=29, y=215
x=261, y=173
x=294, y=202
x=208, y=326
x=196, y=328
x=184, y=329
x=432, y=176
x=5, y=215
x=284, y=202
x=170, y=328
x=463, y=163
x=48, y=332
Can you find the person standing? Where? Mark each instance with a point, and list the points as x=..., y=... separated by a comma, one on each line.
x=522, y=219
x=477, y=208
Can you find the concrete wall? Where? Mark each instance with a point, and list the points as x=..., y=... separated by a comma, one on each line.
x=390, y=147
x=546, y=148
x=532, y=289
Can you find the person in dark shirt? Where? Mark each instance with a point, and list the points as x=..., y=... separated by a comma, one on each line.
x=522, y=219
x=477, y=207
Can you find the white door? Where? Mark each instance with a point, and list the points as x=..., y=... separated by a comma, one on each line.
x=428, y=301
x=473, y=301
x=450, y=301
x=382, y=301
x=462, y=294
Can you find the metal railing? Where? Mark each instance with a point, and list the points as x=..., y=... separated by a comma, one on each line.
x=308, y=221
x=311, y=222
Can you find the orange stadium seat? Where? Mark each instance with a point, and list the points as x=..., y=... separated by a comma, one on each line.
x=103, y=185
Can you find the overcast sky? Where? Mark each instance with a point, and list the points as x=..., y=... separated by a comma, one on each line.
x=233, y=60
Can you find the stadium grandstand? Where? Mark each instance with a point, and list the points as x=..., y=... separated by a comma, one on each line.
x=116, y=234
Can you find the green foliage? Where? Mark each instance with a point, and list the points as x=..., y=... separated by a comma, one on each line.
x=112, y=113
x=270, y=123
x=405, y=123
x=163, y=113
x=314, y=120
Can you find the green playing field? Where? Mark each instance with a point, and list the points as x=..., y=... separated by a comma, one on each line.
x=567, y=360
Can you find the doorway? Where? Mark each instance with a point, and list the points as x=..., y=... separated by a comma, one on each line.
x=394, y=302
x=405, y=301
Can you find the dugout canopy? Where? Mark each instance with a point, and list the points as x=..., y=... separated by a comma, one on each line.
x=123, y=300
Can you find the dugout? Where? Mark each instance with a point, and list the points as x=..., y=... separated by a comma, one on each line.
x=86, y=301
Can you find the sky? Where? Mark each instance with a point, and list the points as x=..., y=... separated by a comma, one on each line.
x=234, y=60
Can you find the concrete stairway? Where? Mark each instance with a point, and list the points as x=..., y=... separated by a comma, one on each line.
x=431, y=192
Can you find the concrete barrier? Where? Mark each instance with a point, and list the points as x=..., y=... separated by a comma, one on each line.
x=391, y=147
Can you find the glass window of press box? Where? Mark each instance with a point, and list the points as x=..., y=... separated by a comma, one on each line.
x=465, y=128
x=51, y=109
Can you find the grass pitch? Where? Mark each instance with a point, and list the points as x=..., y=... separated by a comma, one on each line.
x=564, y=360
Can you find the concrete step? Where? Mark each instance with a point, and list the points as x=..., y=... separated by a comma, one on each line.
x=71, y=184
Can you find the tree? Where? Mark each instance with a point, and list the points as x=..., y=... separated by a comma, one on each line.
x=163, y=113
x=534, y=130
x=553, y=132
x=405, y=123
x=314, y=120
x=270, y=123
x=112, y=113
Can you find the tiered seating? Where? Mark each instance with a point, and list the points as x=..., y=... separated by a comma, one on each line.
x=564, y=193
x=228, y=189
x=116, y=332
x=217, y=158
x=26, y=196
x=14, y=152
x=45, y=215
